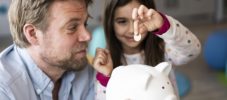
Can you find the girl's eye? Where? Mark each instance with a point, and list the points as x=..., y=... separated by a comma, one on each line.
x=121, y=21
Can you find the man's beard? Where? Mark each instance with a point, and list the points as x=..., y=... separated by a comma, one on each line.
x=73, y=65
x=68, y=63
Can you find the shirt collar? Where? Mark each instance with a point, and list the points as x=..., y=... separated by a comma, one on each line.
x=39, y=79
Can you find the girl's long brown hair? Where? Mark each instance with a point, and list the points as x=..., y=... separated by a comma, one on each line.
x=152, y=45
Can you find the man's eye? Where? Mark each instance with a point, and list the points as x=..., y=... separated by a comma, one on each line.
x=85, y=24
x=72, y=27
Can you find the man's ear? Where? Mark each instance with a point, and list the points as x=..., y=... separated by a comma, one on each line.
x=30, y=33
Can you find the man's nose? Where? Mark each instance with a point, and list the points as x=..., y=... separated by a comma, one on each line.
x=85, y=35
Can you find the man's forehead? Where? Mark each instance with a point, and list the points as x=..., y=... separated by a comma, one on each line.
x=69, y=5
x=79, y=1
x=76, y=1
x=68, y=10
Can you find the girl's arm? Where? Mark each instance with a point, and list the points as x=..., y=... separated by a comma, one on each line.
x=102, y=63
x=181, y=45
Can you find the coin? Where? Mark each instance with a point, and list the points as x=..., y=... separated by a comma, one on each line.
x=137, y=37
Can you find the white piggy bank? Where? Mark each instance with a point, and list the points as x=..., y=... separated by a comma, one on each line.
x=141, y=82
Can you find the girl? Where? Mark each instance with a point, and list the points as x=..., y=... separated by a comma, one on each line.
x=162, y=39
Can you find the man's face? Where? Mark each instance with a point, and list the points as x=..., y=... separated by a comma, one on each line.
x=64, y=42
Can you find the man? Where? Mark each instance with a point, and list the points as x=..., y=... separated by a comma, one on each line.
x=48, y=58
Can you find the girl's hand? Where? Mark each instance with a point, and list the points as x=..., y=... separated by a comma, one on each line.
x=146, y=20
x=102, y=62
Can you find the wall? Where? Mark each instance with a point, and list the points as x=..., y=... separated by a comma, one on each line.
x=182, y=8
x=96, y=10
x=4, y=26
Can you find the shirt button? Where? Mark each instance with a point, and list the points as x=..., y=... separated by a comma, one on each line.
x=51, y=86
x=38, y=90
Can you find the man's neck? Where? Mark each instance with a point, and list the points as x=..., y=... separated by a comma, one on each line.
x=53, y=72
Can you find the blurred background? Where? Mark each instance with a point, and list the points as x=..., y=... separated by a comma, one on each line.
x=205, y=78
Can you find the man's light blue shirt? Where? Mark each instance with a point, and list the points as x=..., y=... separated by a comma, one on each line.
x=21, y=79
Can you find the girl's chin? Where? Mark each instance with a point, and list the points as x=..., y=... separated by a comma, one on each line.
x=132, y=45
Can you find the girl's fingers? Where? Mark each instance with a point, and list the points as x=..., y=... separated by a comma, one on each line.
x=134, y=14
x=136, y=27
x=141, y=18
x=96, y=63
x=100, y=57
x=142, y=29
x=108, y=57
x=149, y=13
x=135, y=23
x=142, y=11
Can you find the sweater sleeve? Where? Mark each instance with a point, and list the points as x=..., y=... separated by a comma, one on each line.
x=101, y=83
x=165, y=26
x=181, y=45
x=102, y=79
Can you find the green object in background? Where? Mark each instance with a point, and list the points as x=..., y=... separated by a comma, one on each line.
x=226, y=70
x=222, y=78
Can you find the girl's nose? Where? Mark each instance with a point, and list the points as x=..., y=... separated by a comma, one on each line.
x=131, y=30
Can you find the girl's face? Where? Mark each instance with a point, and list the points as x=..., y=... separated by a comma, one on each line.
x=123, y=26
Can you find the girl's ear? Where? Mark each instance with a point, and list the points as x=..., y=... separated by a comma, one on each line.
x=30, y=33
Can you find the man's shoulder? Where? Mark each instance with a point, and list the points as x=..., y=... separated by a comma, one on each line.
x=15, y=83
x=13, y=79
x=9, y=75
x=8, y=55
x=6, y=51
x=9, y=66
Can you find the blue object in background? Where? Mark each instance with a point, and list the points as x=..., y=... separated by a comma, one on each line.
x=183, y=83
x=3, y=9
x=98, y=40
x=215, y=50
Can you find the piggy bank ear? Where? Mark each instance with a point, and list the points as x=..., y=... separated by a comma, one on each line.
x=164, y=67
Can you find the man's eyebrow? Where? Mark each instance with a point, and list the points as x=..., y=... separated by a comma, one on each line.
x=73, y=20
x=78, y=19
